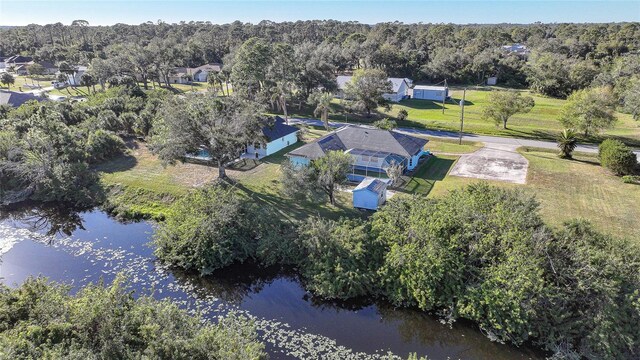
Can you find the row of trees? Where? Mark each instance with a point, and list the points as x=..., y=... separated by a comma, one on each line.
x=460, y=255
x=564, y=57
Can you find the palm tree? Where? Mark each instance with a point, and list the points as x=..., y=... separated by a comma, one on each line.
x=567, y=142
x=323, y=106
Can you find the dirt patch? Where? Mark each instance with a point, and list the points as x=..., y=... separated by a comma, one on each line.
x=493, y=162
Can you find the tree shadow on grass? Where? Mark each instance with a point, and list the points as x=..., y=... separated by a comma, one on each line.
x=423, y=180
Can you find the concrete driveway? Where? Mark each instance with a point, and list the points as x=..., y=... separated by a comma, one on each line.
x=493, y=162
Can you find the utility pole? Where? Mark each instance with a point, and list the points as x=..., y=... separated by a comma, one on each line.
x=444, y=94
x=464, y=93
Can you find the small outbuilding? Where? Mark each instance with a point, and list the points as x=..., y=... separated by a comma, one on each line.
x=370, y=194
x=492, y=80
x=435, y=93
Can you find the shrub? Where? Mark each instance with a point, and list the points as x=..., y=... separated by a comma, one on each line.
x=103, y=145
x=631, y=179
x=402, y=115
x=207, y=230
x=340, y=258
x=617, y=157
x=385, y=124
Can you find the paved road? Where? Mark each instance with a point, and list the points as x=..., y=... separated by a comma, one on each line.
x=587, y=148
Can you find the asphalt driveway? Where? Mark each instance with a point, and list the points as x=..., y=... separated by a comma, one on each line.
x=499, y=162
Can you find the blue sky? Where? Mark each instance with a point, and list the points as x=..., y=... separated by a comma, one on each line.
x=106, y=12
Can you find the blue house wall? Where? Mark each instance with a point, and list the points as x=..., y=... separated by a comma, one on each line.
x=299, y=161
x=366, y=199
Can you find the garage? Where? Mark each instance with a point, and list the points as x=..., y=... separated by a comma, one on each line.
x=426, y=92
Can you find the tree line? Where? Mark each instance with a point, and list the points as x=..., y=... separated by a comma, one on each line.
x=563, y=57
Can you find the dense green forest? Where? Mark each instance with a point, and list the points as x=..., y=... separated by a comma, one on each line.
x=563, y=58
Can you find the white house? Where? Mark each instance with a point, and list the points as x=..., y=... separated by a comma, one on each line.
x=370, y=194
x=492, y=80
x=517, y=49
x=425, y=92
x=399, y=86
x=74, y=80
x=179, y=75
x=278, y=136
x=201, y=73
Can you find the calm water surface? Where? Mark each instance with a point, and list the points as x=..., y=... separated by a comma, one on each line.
x=80, y=248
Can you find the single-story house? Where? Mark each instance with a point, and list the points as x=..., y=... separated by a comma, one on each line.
x=492, y=80
x=426, y=92
x=179, y=75
x=517, y=49
x=370, y=194
x=49, y=67
x=17, y=60
x=399, y=86
x=15, y=99
x=20, y=69
x=279, y=135
x=75, y=78
x=372, y=150
x=201, y=73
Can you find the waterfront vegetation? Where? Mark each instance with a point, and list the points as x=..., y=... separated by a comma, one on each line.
x=43, y=320
x=454, y=255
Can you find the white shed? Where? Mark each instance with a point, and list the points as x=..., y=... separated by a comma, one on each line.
x=370, y=194
x=425, y=92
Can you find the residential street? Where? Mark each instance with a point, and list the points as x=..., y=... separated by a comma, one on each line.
x=587, y=148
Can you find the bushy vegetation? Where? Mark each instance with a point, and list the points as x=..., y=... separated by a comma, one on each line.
x=41, y=320
x=214, y=227
x=479, y=253
x=47, y=148
x=617, y=157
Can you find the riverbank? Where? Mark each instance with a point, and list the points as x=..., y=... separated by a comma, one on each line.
x=293, y=323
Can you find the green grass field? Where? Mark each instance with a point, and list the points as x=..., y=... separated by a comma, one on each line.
x=566, y=189
x=541, y=123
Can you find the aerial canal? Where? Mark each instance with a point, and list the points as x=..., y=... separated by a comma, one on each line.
x=79, y=248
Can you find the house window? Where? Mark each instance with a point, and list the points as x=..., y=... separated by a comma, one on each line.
x=410, y=161
x=256, y=146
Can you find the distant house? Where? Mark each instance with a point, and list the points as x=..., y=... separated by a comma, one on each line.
x=75, y=78
x=2, y=59
x=426, y=92
x=201, y=73
x=492, y=80
x=179, y=75
x=517, y=49
x=17, y=60
x=15, y=99
x=370, y=194
x=372, y=150
x=20, y=69
x=399, y=86
x=49, y=67
x=279, y=135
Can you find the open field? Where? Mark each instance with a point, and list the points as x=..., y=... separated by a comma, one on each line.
x=21, y=82
x=566, y=189
x=541, y=123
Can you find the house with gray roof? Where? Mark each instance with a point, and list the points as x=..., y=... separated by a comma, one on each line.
x=201, y=73
x=400, y=87
x=372, y=150
x=15, y=99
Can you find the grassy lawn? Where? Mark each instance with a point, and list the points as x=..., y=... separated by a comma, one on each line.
x=566, y=189
x=22, y=81
x=541, y=123
x=431, y=171
x=140, y=186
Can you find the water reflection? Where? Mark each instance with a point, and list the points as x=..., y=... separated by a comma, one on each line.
x=46, y=219
x=275, y=294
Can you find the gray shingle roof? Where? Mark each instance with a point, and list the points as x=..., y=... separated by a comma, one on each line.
x=278, y=129
x=16, y=99
x=357, y=137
